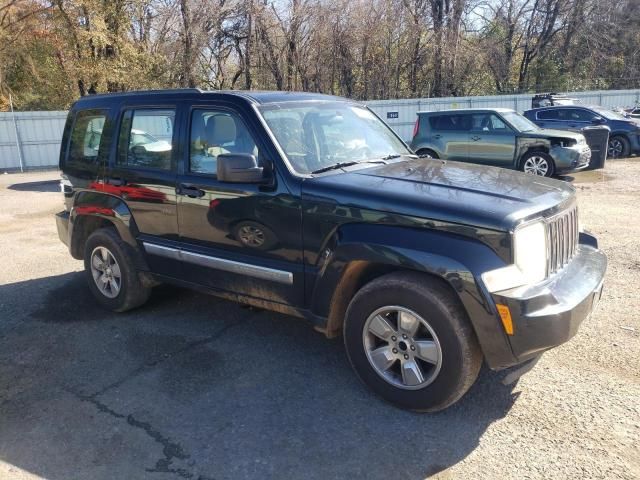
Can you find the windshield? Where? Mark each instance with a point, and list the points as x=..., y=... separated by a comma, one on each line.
x=609, y=114
x=520, y=122
x=318, y=135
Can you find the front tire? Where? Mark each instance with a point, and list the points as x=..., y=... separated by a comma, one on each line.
x=111, y=273
x=618, y=147
x=409, y=340
x=538, y=163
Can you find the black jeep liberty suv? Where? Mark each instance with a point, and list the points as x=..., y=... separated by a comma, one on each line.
x=311, y=206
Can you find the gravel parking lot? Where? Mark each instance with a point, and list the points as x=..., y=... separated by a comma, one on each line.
x=195, y=387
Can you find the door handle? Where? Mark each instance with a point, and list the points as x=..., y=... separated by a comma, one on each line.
x=437, y=136
x=118, y=182
x=189, y=190
x=475, y=138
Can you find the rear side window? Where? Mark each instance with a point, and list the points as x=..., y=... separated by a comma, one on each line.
x=548, y=115
x=145, y=138
x=86, y=137
x=451, y=122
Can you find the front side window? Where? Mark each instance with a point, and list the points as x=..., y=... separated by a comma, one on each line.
x=314, y=135
x=86, y=137
x=576, y=115
x=489, y=122
x=214, y=132
x=145, y=138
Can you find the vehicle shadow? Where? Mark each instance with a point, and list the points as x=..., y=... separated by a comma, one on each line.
x=41, y=186
x=203, y=388
x=566, y=178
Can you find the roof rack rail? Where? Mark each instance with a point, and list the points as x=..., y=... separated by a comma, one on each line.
x=152, y=91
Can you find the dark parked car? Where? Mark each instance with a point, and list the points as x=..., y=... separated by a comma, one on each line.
x=500, y=137
x=311, y=206
x=624, y=138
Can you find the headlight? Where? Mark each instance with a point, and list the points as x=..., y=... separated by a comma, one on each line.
x=530, y=260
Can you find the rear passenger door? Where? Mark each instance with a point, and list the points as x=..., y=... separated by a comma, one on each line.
x=142, y=172
x=236, y=237
x=450, y=135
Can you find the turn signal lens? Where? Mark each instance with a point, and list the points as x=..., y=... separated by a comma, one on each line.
x=505, y=316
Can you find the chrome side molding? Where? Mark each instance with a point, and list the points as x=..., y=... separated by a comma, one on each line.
x=218, y=263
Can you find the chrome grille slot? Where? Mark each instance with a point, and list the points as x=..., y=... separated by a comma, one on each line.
x=562, y=239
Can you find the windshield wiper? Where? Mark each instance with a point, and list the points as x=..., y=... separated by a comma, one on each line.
x=335, y=166
x=339, y=165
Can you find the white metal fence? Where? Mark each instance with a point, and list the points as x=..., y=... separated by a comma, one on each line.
x=31, y=140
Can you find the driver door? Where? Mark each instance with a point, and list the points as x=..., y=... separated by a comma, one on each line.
x=235, y=237
x=491, y=141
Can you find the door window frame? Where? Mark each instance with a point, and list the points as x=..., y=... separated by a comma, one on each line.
x=451, y=114
x=184, y=161
x=175, y=137
x=507, y=131
x=548, y=119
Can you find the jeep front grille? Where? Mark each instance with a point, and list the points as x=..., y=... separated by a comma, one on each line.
x=562, y=238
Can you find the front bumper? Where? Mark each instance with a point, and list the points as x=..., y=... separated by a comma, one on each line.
x=571, y=159
x=62, y=222
x=548, y=314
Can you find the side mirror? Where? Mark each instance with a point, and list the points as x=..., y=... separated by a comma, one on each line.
x=597, y=120
x=239, y=168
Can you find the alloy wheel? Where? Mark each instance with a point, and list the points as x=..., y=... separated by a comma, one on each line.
x=106, y=272
x=616, y=148
x=251, y=236
x=402, y=347
x=536, y=165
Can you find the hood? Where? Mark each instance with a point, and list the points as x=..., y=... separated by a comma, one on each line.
x=453, y=192
x=549, y=132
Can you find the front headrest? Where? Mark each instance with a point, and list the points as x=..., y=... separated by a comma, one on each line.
x=221, y=129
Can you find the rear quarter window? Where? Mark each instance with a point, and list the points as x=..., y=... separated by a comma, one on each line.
x=450, y=122
x=547, y=115
x=85, y=142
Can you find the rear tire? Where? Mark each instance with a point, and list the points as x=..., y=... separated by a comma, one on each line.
x=111, y=273
x=427, y=370
x=618, y=147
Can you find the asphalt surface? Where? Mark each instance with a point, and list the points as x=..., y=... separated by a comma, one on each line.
x=193, y=387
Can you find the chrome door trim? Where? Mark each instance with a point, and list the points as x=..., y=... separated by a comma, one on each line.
x=168, y=252
x=223, y=264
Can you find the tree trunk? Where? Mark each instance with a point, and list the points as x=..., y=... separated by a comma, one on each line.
x=187, y=79
x=248, y=46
